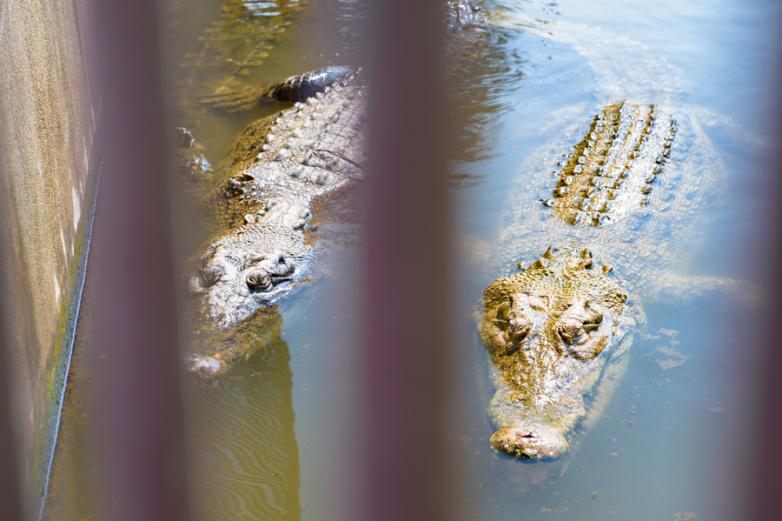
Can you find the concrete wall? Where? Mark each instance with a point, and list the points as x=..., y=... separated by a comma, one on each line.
x=48, y=172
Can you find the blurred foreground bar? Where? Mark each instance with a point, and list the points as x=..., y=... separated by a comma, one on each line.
x=132, y=307
x=404, y=468
x=765, y=501
x=10, y=498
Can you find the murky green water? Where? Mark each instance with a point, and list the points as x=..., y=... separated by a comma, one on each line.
x=274, y=436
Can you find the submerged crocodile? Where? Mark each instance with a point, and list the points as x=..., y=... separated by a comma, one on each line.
x=304, y=153
x=276, y=171
x=631, y=190
x=558, y=331
x=311, y=149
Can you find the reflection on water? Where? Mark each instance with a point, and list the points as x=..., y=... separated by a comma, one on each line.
x=233, y=44
x=74, y=470
x=246, y=460
x=238, y=42
x=483, y=69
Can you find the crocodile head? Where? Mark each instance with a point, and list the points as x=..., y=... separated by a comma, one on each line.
x=551, y=331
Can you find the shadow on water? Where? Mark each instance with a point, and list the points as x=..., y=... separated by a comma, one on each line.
x=245, y=455
x=245, y=451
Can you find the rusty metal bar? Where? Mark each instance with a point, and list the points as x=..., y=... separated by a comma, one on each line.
x=404, y=368
x=132, y=304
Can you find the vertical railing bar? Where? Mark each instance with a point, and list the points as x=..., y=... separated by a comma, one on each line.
x=764, y=500
x=404, y=468
x=134, y=353
x=11, y=506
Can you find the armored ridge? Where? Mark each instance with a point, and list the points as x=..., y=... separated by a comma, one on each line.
x=554, y=331
x=615, y=166
x=293, y=89
x=310, y=150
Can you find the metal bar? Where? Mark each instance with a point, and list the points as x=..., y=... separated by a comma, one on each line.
x=10, y=493
x=764, y=501
x=132, y=307
x=404, y=467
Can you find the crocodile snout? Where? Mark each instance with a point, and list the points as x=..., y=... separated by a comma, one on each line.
x=534, y=441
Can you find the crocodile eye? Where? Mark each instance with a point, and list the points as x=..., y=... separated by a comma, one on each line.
x=520, y=326
x=591, y=326
x=259, y=280
x=571, y=330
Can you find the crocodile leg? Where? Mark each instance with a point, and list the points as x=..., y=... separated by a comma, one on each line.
x=237, y=100
x=610, y=378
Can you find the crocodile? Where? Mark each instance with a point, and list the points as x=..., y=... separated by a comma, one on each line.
x=630, y=193
x=553, y=331
x=280, y=166
x=277, y=171
x=558, y=332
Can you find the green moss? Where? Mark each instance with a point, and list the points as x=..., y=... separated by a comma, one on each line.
x=56, y=371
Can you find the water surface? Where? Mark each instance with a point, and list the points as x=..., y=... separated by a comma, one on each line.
x=275, y=435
